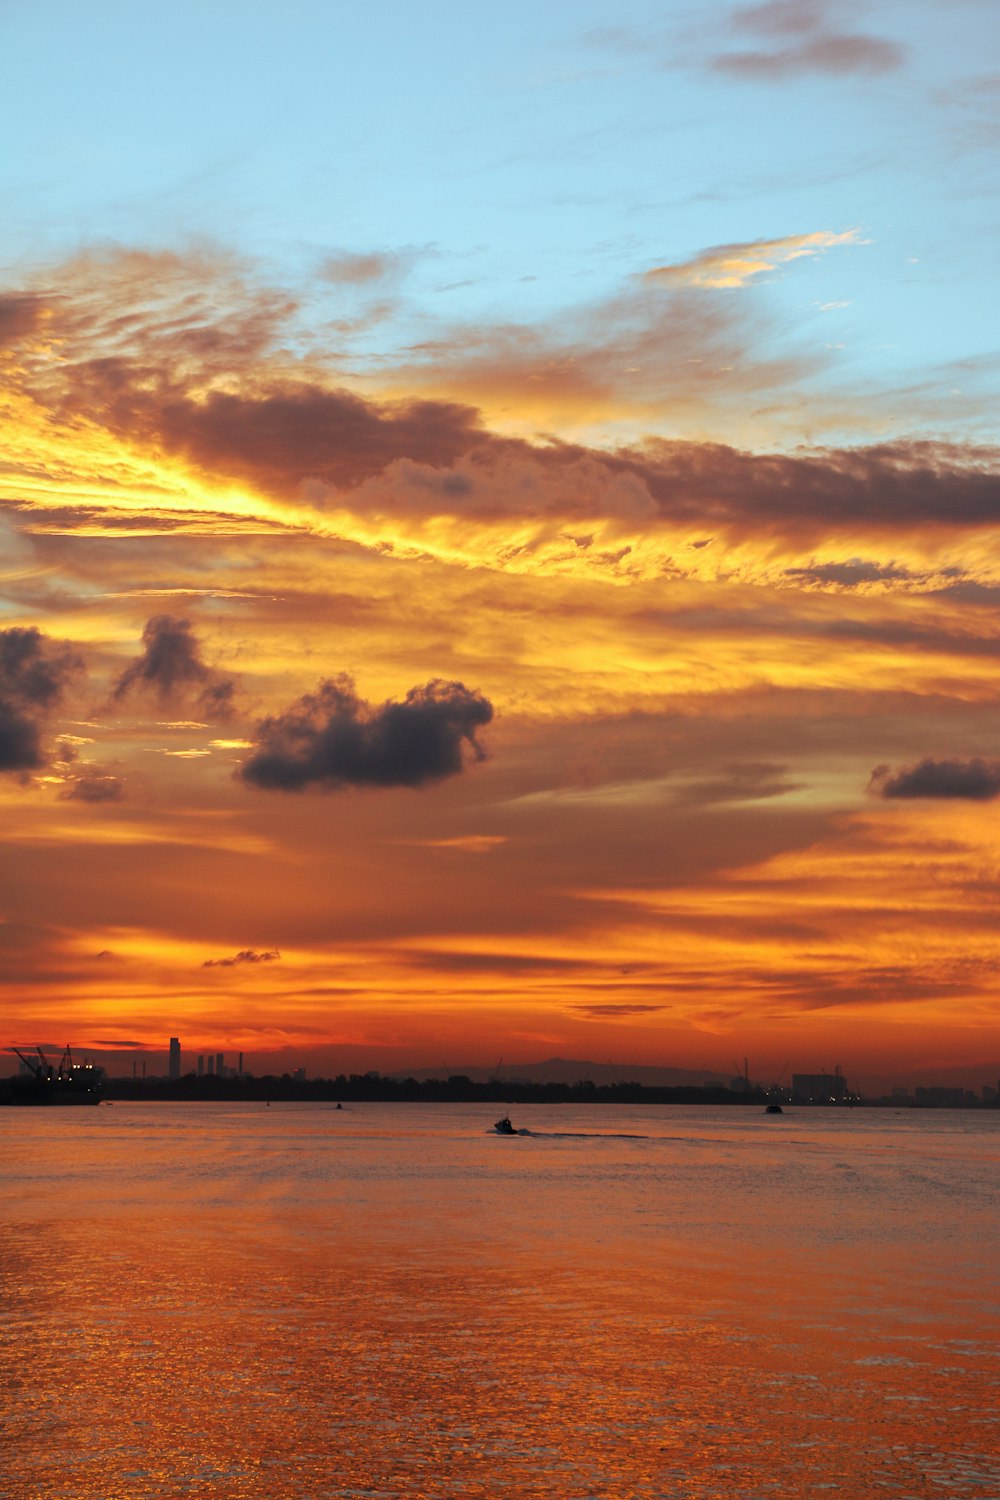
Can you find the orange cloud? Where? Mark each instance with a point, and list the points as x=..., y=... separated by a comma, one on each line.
x=736, y=265
x=696, y=653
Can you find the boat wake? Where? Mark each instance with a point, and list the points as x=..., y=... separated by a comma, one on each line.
x=582, y=1135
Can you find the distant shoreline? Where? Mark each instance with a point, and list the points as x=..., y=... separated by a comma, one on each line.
x=462, y=1090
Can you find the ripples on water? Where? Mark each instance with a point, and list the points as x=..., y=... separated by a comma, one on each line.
x=249, y=1304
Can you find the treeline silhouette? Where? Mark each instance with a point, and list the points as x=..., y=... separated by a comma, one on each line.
x=457, y=1089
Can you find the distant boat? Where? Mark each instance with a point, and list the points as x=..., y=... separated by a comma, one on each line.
x=69, y=1083
x=773, y=1109
x=504, y=1127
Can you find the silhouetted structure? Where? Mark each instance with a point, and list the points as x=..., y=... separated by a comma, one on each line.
x=42, y=1083
x=944, y=1098
x=819, y=1088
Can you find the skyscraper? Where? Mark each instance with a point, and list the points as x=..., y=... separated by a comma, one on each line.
x=175, y=1057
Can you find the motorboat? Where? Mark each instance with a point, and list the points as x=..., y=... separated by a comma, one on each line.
x=503, y=1126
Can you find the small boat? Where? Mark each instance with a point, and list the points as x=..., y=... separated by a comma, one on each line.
x=773, y=1109
x=504, y=1127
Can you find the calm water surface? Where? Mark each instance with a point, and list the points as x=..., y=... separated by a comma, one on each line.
x=389, y=1300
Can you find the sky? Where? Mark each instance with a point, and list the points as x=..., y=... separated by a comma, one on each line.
x=498, y=551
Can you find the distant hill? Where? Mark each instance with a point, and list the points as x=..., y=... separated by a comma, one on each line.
x=569, y=1070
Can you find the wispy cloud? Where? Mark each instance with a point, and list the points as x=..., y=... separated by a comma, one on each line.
x=366, y=268
x=616, y=1011
x=801, y=38
x=774, y=42
x=469, y=843
x=736, y=265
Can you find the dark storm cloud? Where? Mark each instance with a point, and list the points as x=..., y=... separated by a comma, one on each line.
x=20, y=740
x=797, y=39
x=34, y=673
x=972, y=780
x=171, y=669
x=32, y=668
x=245, y=956
x=332, y=739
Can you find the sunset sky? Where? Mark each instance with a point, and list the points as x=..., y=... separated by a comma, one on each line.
x=499, y=535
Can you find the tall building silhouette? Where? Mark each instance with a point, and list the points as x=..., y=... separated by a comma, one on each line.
x=175, y=1057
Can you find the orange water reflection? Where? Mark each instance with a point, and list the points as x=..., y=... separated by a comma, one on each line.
x=308, y=1320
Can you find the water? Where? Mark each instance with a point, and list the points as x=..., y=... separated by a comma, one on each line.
x=389, y=1300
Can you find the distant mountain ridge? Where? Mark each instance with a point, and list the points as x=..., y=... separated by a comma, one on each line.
x=569, y=1070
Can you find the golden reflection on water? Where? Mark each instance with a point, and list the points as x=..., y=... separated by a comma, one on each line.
x=375, y=1335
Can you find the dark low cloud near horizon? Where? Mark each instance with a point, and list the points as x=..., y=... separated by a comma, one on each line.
x=973, y=780
x=34, y=674
x=170, y=667
x=598, y=1011
x=245, y=956
x=332, y=739
x=94, y=786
